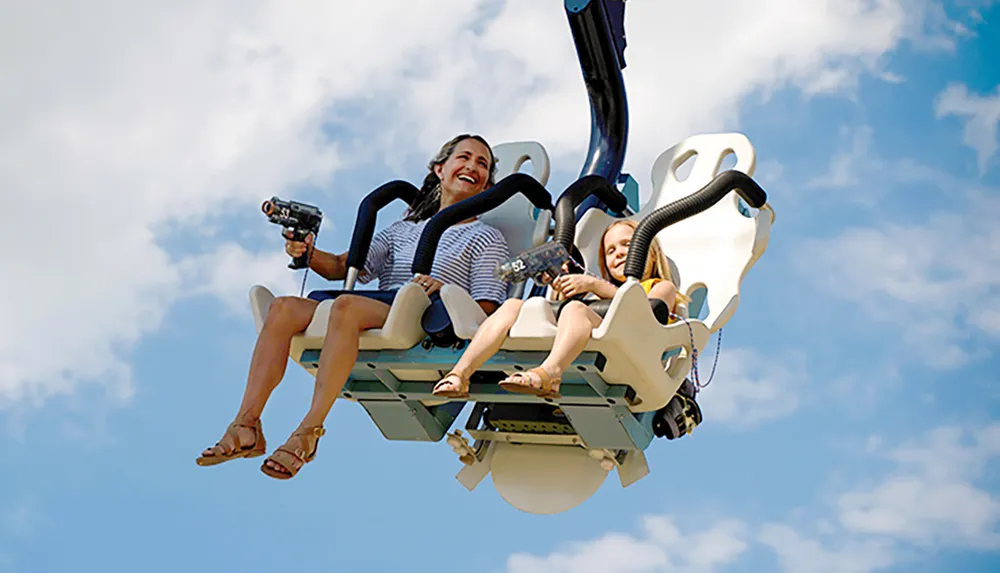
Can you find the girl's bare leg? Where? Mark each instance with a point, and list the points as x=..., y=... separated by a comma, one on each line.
x=485, y=343
x=665, y=291
x=576, y=321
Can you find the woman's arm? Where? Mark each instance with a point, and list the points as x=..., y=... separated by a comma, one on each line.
x=328, y=265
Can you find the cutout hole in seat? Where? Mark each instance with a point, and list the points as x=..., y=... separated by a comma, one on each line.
x=728, y=162
x=698, y=307
x=684, y=164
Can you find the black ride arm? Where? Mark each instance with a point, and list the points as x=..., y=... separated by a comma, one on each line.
x=364, y=226
x=476, y=205
x=589, y=186
x=686, y=207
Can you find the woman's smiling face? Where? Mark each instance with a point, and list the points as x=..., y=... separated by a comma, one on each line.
x=466, y=172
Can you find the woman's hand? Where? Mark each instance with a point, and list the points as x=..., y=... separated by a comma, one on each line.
x=430, y=284
x=572, y=285
x=296, y=249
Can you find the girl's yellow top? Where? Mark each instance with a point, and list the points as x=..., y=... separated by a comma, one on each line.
x=648, y=284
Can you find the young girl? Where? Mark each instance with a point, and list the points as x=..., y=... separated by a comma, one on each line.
x=575, y=320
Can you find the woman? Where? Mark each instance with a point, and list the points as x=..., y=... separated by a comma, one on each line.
x=468, y=251
x=575, y=322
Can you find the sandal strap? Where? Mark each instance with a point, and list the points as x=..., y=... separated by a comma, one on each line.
x=232, y=432
x=541, y=373
x=523, y=379
x=304, y=436
x=463, y=383
x=545, y=380
x=285, y=456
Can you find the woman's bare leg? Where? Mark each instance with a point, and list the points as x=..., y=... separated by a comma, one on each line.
x=485, y=343
x=286, y=317
x=349, y=317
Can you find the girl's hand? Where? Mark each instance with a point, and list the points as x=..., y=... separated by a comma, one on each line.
x=572, y=285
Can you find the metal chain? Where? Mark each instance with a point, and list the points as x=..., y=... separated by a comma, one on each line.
x=694, y=355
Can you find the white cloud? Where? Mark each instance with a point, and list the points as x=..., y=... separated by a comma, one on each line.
x=662, y=546
x=932, y=498
x=119, y=131
x=934, y=282
x=927, y=502
x=124, y=122
x=228, y=273
x=852, y=167
x=892, y=78
x=981, y=115
x=749, y=388
x=21, y=520
x=798, y=554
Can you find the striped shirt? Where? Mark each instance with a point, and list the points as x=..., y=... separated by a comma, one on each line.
x=467, y=256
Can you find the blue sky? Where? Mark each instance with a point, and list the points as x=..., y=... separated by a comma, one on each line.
x=853, y=424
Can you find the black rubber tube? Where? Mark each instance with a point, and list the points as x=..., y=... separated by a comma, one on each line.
x=364, y=226
x=565, y=215
x=476, y=205
x=689, y=206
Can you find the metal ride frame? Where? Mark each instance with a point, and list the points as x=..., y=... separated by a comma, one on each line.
x=597, y=411
x=595, y=425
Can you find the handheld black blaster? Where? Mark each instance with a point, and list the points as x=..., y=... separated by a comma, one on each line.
x=298, y=219
x=541, y=264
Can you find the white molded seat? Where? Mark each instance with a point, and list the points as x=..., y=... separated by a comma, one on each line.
x=713, y=249
x=515, y=219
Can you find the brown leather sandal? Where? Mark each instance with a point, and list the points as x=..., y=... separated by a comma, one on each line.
x=292, y=456
x=461, y=392
x=230, y=447
x=544, y=386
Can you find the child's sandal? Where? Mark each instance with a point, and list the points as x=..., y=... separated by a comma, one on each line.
x=447, y=388
x=544, y=387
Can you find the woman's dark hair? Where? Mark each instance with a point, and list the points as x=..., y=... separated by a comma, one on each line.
x=428, y=199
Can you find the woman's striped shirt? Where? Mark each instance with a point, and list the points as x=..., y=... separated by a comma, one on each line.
x=467, y=256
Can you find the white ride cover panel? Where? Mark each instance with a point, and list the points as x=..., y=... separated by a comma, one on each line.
x=543, y=479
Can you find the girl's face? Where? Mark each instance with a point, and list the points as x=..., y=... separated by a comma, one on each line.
x=466, y=172
x=616, y=244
